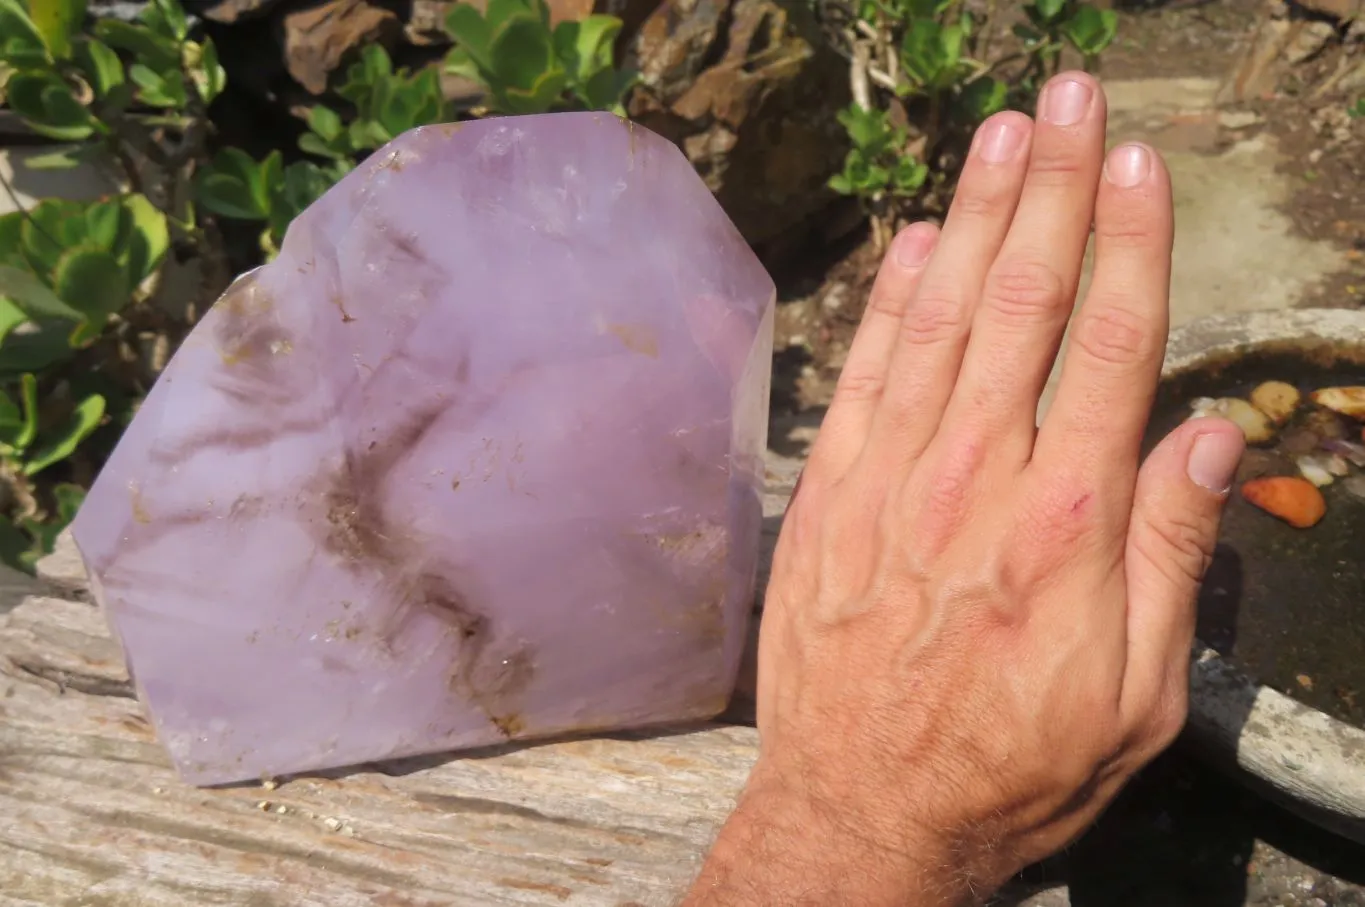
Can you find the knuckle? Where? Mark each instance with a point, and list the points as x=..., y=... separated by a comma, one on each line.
x=886, y=305
x=934, y=317
x=976, y=202
x=1179, y=546
x=1053, y=167
x=1130, y=229
x=1112, y=335
x=859, y=387
x=1025, y=290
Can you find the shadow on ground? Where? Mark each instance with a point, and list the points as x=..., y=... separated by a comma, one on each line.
x=1185, y=835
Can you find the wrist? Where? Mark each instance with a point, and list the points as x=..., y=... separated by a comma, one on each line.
x=790, y=844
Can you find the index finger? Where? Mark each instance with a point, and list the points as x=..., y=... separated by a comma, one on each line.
x=1093, y=431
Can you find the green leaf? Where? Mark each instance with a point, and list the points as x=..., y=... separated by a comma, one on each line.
x=92, y=281
x=1091, y=30
x=48, y=229
x=158, y=89
x=38, y=347
x=151, y=49
x=11, y=316
x=500, y=12
x=62, y=159
x=102, y=221
x=21, y=43
x=100, y=64
x=539, y=98
x=1043, y=12
x=84, y=419
x=606, y=89
x=49, y=106
x=210, y=77
x=11, y=239
x=28, y=396
x=523, y=55
x=57, y=21
x=301, y=184
x=11, y=420
x=841, y=184
x=471, y=33
x=68, y=498
x=367, y=134
x=167, y=18
x=311, y=143
x=33, y=296
x=233, y=185
x=432, y=106
x=592, y=47
x=867, y=129
x=325, y=121
x=142, y=245
x=983, y=97
x=924, y=9
x=930, y=52
x=908, y=175
x=459, y=63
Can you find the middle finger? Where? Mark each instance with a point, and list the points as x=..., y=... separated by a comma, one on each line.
x=1030, y=290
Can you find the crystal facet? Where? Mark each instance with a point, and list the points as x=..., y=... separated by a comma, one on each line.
x=477, y=457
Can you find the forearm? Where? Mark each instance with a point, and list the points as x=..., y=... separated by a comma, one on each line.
x=779, y=848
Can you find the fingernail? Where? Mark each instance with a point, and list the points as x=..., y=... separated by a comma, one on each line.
x=914, y=244
x=1127, y=165
x=1214, y=458
x=999, y=140
x=1065, y=102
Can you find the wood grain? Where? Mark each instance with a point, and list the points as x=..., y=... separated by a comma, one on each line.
x=91, y=813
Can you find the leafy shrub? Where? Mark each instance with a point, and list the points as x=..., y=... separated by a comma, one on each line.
x=925, y=75
x=386, y=102
x=75, y=275
x=526, y=66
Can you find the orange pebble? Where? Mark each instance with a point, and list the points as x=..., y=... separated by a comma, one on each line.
x=1296, y=501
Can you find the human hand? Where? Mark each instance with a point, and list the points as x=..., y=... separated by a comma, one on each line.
x=976, y=630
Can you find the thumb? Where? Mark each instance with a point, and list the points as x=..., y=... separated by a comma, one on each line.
x=1177, y=507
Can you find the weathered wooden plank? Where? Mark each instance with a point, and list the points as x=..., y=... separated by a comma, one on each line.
x=92, y=814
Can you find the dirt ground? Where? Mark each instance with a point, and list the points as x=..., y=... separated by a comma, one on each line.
x=1322, y=150
x=1183, y=835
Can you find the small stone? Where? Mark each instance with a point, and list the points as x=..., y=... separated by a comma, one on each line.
x=1354, y=486
x=263, y=805
x=1296, y=501
x=1326, y=424
x=269, y=783
x=1337, y=465
x=1315, y=470
x=1299, y=440
x=1254, y=424
x=1201, y=407
x=1238, y=119
x=1259, y=461
x=332, y=824
x=1277, y=400
x=318, y=37
x=1347, y=451
x=281, y=809
x=1349, y=401
x=1305, y=681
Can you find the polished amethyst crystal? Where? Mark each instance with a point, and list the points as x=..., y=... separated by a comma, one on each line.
x=476, y=458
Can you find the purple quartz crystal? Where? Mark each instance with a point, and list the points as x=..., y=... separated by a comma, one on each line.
x=477, y=457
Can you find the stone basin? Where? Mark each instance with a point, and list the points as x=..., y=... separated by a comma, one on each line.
x=1276, y=693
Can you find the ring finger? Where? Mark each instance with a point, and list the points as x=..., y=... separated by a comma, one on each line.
x=923, y=365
